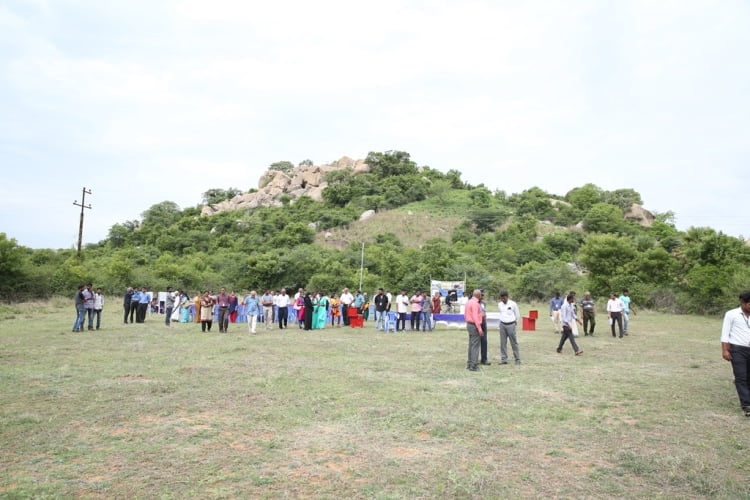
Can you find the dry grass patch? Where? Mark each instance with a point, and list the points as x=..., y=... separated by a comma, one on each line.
x=145, y=411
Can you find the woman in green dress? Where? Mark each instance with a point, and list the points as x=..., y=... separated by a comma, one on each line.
x=321, y=312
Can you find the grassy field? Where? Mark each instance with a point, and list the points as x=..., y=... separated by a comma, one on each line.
x=411, y=229
x=145, y=411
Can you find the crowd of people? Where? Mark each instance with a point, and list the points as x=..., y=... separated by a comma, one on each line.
x=563, y=312
x=313, y=310
x=309, y=310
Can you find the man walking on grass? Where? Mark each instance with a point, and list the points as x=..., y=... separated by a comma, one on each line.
x=588, y=307
x=223, y=302
x=614, y=311
x=627, y=308
x=267, y=302
x=252, y=309
x=735, y=348
x=568, y=318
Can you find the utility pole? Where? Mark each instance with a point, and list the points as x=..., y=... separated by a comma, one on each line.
x=361, y=266
x=80, y=226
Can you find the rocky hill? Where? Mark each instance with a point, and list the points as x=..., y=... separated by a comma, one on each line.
x=304, y=180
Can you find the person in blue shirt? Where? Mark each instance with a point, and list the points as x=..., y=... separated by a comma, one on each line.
x=628, y=308
x=252, y=310
x=143, y=302
x=359, y=301
x=554, y=311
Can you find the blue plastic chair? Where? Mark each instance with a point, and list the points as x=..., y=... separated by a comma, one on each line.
x=390, y=322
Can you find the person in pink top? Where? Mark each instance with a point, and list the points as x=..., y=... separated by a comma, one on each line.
x=473, y=318
x=416, y=310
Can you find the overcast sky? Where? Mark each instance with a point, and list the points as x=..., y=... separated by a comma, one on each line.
x=146, y=101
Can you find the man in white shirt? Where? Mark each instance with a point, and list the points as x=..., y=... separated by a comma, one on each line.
x=402, y=307
x=282, y=304
x=735, y=348
x=267, y=301
x=614, y=313
x=509, y=318
x=346, y=300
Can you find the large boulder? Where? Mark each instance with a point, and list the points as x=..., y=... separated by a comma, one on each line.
x=304, y=180
x=640, y=215
x=367, y=214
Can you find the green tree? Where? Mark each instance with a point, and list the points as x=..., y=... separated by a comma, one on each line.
x=485, y=220
x=162, y=214
x=454, y=177
x=563, y=242
x=480, y=197
x=216, y=195
x=585, y=197
x=534, y=201
x=538, y=281
x=704, y=246
x=13, y=266
x=623, y=198
x=603, y=218
x=606, y=256
x=282, y=166
x=390, y=163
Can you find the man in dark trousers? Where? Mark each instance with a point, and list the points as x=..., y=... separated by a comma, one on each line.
x=381, y=306
x=735, y=348
x=126, y=304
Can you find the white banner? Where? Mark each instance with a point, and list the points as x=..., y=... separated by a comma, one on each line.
x=446, y=286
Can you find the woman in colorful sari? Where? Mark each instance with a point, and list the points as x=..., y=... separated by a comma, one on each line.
x=321, y=312
x=335, y=310
x=308, y=311
x=233, y=304
x=184, y=309
x=197, y=301
x=299, y=309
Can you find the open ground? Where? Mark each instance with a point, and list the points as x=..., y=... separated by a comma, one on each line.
x=148, y=411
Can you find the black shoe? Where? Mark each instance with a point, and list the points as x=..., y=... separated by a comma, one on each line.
x=559, y=351
x=486, y=363
x=503, y=362
x=474, y=369
x=518, y=362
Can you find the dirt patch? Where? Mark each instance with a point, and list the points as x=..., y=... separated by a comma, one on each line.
x=404, y=452
x=134, y=378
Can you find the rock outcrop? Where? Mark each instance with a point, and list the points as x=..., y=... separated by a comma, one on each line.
x=640, y=215
x=304, y=180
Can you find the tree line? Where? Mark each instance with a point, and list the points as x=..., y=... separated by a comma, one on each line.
x=533, y=243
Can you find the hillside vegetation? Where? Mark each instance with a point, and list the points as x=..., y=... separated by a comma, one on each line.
x=428, y=224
